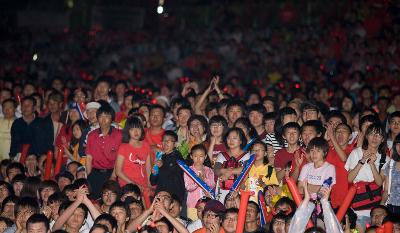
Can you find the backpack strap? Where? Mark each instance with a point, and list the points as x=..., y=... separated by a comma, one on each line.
x=241, y=156
x=269, y=171
x=226, y=155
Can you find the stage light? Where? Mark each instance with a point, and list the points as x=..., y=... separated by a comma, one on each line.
x=35, y=57
x=160, y=10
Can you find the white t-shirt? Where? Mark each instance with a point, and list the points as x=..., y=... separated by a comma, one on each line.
x=365, y=173
x=316, y=176
x=195, y=226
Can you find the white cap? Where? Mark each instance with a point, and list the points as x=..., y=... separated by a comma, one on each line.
x=91, y=105
x=164, y=99
x=94, y=105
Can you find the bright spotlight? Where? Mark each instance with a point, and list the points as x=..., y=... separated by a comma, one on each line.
x=160, y=10
x=35, y=57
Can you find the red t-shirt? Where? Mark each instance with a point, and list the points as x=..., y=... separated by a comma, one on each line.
x=134, y=165
x=103, y=148
x=342, y=184
x=283, y=157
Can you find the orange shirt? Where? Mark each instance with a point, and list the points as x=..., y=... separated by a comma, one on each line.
x=204, y=230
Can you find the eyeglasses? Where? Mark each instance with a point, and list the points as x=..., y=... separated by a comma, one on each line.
x=231, y=219
x=258, y=150
x=164, y=196
x=216, y=125
x=211, y=215
x=375, y=135
x=279, y=222
x=395, y=122
x=168, y=141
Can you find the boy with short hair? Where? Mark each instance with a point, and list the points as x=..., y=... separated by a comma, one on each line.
x=309, y=130
x=293, y=156
x=256, y=117
x=269, y=123
x=170, y=176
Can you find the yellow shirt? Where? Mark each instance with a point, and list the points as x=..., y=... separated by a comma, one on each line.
x=257, y=172
x=5, y=137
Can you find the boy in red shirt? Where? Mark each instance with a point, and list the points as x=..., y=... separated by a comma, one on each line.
x=293, y=156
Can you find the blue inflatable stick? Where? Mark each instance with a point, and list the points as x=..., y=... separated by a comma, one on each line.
x=243, y=175
x=196, y=178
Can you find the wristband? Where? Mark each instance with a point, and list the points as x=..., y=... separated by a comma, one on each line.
x=361, y=162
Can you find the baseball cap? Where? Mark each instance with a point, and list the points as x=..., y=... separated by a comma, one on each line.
x=214, y=206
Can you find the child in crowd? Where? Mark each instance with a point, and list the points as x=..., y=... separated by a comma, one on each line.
x=275, y=140
x=218, y=127
x=293, y=156
x=262, y=173
x=133, y=155
x=194, y=192
x=318, y=170
x=309, y=130
x=170, y=176
x=269, y=122
x=72, y=150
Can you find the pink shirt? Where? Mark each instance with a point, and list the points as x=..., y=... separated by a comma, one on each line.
x=194, y=191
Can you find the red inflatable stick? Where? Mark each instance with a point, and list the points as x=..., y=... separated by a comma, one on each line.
x=59, y=160
x=244, y=199
x=385, y=228
x=388, y=227
x=296, y=194
x=24, y=153
x=49, y=163
x=293, y=189
x=346, y=203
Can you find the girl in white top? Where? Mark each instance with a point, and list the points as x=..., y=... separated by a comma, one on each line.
x=364, y=163
x=316, y=172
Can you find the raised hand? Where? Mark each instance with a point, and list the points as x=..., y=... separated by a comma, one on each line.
x=372, y=159
x=298, y=158
x=306, y=193
x=366, y=156
x=325, y=192
x=81, y=193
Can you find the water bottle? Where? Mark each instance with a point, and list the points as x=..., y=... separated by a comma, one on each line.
x=326, y=184
x=158, y=157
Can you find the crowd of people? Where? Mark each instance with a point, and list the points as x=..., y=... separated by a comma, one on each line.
x=94, y=128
